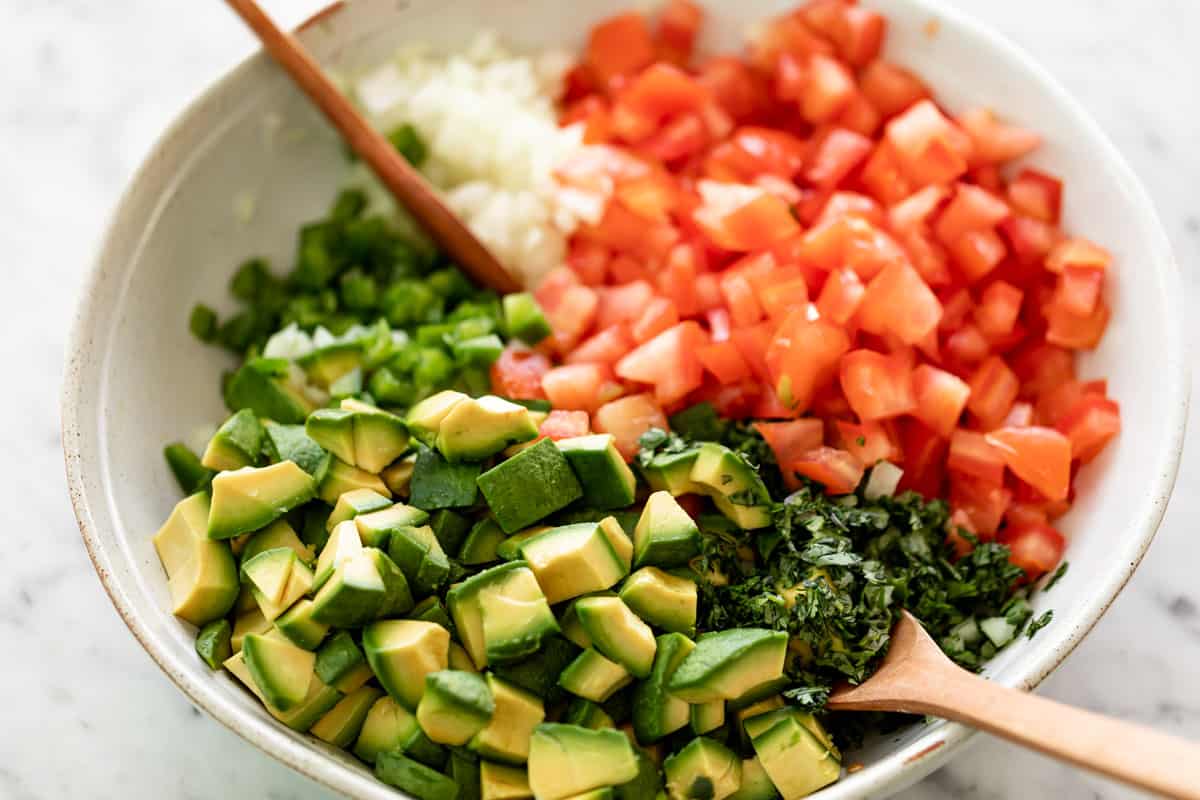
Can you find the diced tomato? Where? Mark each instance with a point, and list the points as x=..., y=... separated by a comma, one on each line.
x=789, y=441
x=589, y=261
x=837, y=470
x=1075, y=331
x=741, y=218
x=994, y=389
x=1057, y=401
x=740, y=299
x=860, y=116
x=1036, y=548
x=753, y=151
x=924, y=458
x=928, y=147
x=1031, y=239
x=914, y=211
x=971, y=454
x=658, y=92
x=581, y=387
x=659, y=315
x=998, y=309
x=668, y=362
x=876, y=386
x=852, y=242
x=967, y=346
x=845, y=203
x=1019, y=416
x=882, y=176
x=618, y=304
x=678, y=25
x=977, y=253
x=940, y=397
x=560, y=424
x=677, y=280
x=972, y=209
x=605, y=347
x=1036, y=194
x=835, y=155
x=803, y=356
x=859, y=37
x=890, y=89
x=627, y=419
x=719, y=324
x=619, y=46
x=994, y=142
x=1090, y=424
x=828, y=89
x=1077, y=253
x=1020, y=513
x=959, y=523
x=869, y=442
x=1039, y=456
x=984, y=504
x=572, y=316
x=841, y=296
x=708, y=291
x=1078, y=290
x=724, y=361
x=518, y=372
x=736, y=88
x=898, y=302
x=1042, y=367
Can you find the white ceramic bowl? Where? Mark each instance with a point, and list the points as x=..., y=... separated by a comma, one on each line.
x=136, y=379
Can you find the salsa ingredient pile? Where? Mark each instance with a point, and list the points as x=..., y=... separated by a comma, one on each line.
x=810, y=361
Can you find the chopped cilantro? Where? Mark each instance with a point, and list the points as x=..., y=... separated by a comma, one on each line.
x=1058, y=573
x=1039, y=623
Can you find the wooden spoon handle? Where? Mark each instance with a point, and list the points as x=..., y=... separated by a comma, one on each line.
x=1122, y=750
x=404, y=182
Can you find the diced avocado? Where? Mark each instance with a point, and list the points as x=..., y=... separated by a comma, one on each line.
x=342, y=477
x=379, y=436
x=297, y=580
x=593, y=677
x=747, y=722
x=523, y=318
x=312, y=525
x=281, y=670
x=414, y=778
x=425, y=418
x=261, y=385
x=202, y=576
x=402, y=652
x=341, y=725
x=245, y=601
x=664, y=600
x=477, y=428
x=268, y=572
x=278, y=534
x=572, y=560
x=464, y=769
x=607, y=481
x=618, y=633
x=456, y=705
x=333, y=429
x=707, y=717
x=251, y=621
x=340, y=662
x=389, y=726
x=190, y=474
x=672, y=472
x=214, y=643
x=510, y=548
x=236, y=444
x=291, y=443
x=516, y=714
x=516, y=618
x=666, y=536
x=450, y=528
x=727, y=663
x=604, y=793
x=355, y=502
x=343, y=545
x=375, y=528
x=735, y=486
x=796, y=760
x=431, y=609
x=703, y=770
x=482, y=545
x=539, y=673
x=419, y=555
x=463, y=603
x=362, y=589
x=398, y=476
x=459, y=658
x=571, y=628
x=437, y=484
x=756, y=784
x=529, y=486
x=647, y=785
x=317, y=702
x=568, y=760
x=656, y=712
x=250, y=498
x=500, y=782
x=326, y=364
x=298, y=625
x=587, y=714
x=619, y=539
x=761, y=691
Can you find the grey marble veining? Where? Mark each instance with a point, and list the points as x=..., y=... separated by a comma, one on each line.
x=86, y=86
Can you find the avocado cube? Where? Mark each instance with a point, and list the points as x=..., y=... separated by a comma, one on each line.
x=398, y=476
x=202, y=576
x=298, y=625
x=268, y=573
x=593, y=677
x=797, y=761
x=261, y=385
x=278, y=534
x=587, y=714
x=450, y=528
x=281, y=670
x=573, y=629
x=214, y=643
x=355, y=502
x=523, y=318
x=672, y=472
x=438, y=484
x=388, y=726
x=515, y=716
x=500, y=782
x=325, y=365
x=464, y=770
x=569, y=760
x=318, y=700
x=431, y=609
x=414, y=778
x=539, y=673
x=756, y=783
x=291, y=443
x=424, y=420
x=666, y=536
x=419, y=555
x=251, y=621
x=529, y=486
x=646, y=785
x=573, y=560
x=510, y=548
x=236, y=444
x=379, y=437
x=377, y=527
x=456, y=705
x=402, y=652
x=341, y=724
x=501, y=614
x=333, y=430
x=704, y=768
x=664, y=600
x=343, y=545
x=706, y=717
x=725, y=664
x=618, y=633
x=299, y=583
x=339, y=660
x=735, y=486
x=362, y=589
x=475, y=429
x=607, y=481
x=656, y=712
x=250, y=498
x=190, y=474
x=482, y=545
x=342, y=477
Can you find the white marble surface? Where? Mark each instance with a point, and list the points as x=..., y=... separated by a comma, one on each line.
x=86, y=86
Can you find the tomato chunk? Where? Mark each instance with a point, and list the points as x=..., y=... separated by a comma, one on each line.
x=668, y=362
x=1090, y=424
x=803, y=356
x=877, y=386
x=898, y=301
x=627, y=419
x=789, y=441
x=1035, y=548
x=560, y=424
x=1039, y=456
x=940, y=397
x=518, y=372
x=619, y=46
x=838, y=471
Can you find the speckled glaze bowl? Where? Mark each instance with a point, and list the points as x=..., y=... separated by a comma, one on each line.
x=136, y=379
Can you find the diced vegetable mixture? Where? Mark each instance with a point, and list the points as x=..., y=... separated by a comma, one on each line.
x=810, y=360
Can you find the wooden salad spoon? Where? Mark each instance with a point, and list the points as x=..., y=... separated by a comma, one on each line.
x=405, y=183
x=916, y=677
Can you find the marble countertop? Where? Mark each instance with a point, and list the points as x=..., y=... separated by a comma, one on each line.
x=86, y=87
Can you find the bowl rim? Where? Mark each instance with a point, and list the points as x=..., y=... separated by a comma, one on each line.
x=891, y=773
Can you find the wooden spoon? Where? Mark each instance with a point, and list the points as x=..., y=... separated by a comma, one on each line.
x=405, y=183
x=916, y=677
